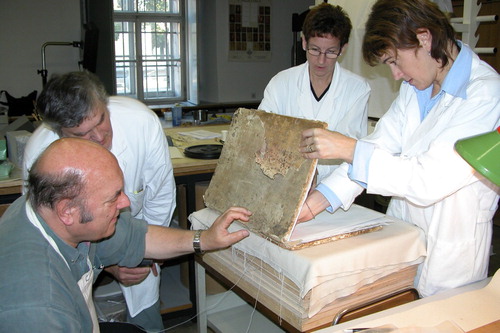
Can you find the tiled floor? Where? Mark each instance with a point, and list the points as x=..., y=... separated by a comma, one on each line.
x=181, y=325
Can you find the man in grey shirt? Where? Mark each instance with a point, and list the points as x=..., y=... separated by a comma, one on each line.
x=68, y=226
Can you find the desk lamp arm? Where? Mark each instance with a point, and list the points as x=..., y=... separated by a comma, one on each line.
x=43, y=71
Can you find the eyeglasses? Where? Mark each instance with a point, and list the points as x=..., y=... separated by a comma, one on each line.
x=329, y=54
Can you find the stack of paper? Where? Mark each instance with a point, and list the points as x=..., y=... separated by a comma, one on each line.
x=326, y=225
x=201, y=134
x=282, y=296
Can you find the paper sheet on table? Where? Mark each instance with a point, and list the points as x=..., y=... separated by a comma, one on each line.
x=175, y=152
x=201, y=134
x=341, y=222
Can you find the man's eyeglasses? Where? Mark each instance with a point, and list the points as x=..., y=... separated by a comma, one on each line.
x=329, y=54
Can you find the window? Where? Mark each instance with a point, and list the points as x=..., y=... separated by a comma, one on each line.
x=149, y=48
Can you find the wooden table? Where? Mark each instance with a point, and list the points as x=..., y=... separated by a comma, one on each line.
x=266, y=276
x=493, y=327
x=190, y=166
x=474, y=308
x=271, y=316
x=189, y=171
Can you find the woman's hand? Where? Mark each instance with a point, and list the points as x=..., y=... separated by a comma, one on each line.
x=324, y=144
x=314, y=204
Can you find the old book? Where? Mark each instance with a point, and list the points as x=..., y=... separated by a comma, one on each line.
x=262, y=169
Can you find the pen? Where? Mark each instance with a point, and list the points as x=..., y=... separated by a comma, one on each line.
x=354, y=330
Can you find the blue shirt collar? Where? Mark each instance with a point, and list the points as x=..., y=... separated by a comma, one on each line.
x=454, y=84
x=457, y=79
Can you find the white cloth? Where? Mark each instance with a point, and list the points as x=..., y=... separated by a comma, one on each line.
x=431, y=185
x=141, y=148
x=344, y=106
x=337, y=268
x=85, y=282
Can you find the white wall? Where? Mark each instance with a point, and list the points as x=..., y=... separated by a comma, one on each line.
x=228, y=81
x=25, y=25
x=222, y=80
x=384, y=87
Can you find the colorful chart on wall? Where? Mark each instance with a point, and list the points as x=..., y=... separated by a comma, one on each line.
x=249, y=30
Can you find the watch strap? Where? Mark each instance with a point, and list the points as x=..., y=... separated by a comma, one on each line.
x=196, y=242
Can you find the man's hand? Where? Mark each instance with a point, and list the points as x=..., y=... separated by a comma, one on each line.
x=217, y=236
x=129, y=276
x=164, y=243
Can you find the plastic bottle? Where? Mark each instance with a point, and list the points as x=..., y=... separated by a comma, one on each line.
x=177, y=115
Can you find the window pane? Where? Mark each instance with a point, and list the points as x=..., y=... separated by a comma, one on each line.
x=125, y=58
x=125, y=78
x=124, y=40
x=161, y=79
x=124, y=5
x=160, y=40
x=161, y=59
x=158, y=6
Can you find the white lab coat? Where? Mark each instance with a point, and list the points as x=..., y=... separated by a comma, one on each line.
x=431, y=185
x=141, y=149
x=344, y=107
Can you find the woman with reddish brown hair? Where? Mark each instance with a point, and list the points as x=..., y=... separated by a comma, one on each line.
x=447, y=94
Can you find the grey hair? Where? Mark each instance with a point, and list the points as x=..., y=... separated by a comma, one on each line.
x=46, y=189
x=69, y=99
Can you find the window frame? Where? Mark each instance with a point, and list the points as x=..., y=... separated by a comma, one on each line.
x=137, y=18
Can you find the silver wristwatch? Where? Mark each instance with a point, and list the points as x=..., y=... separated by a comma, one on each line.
x=196, y=242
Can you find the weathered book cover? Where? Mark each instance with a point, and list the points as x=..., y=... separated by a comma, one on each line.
x=262, y=169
